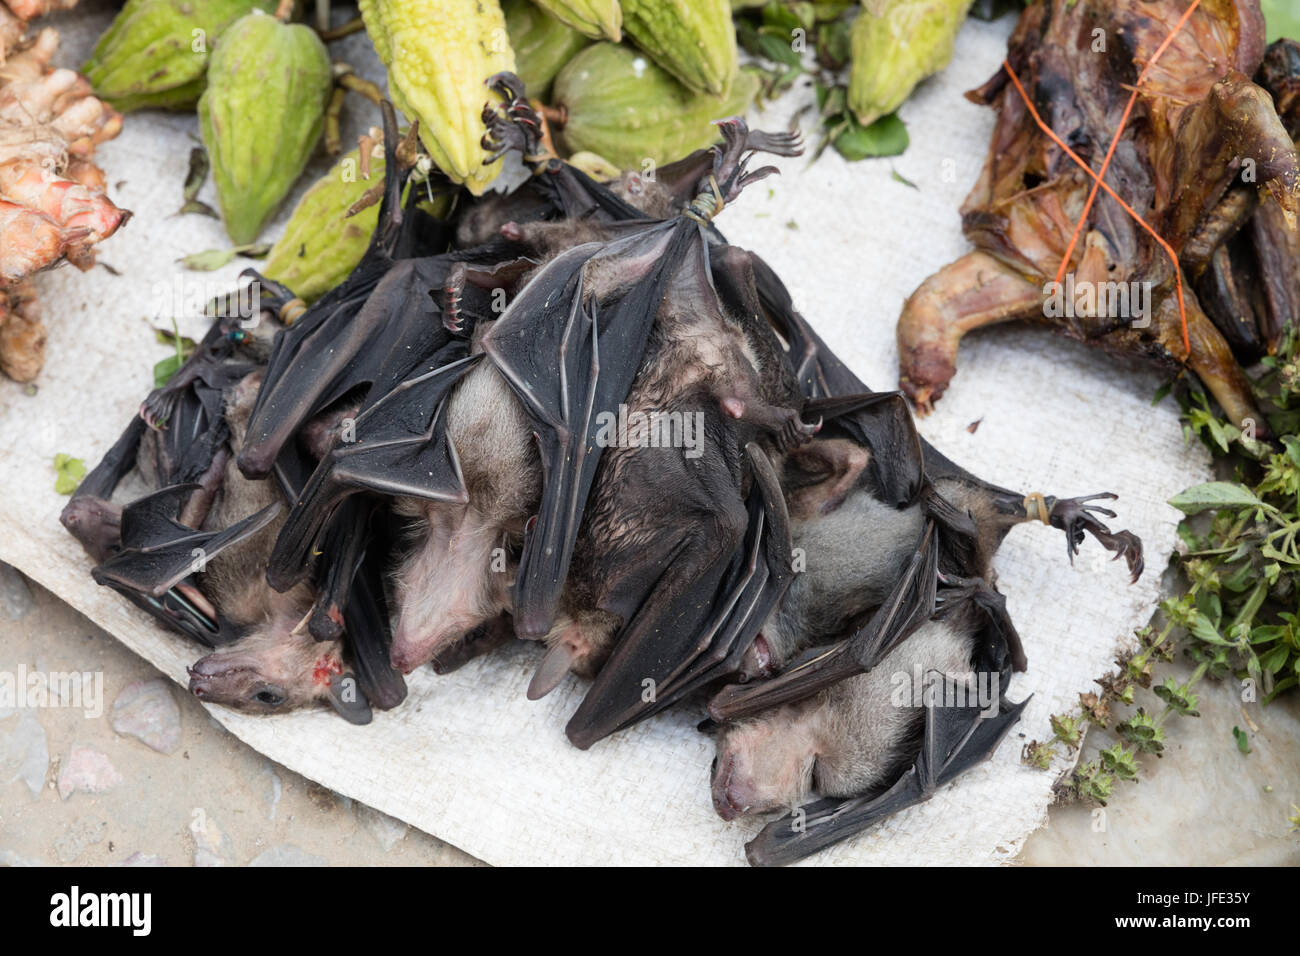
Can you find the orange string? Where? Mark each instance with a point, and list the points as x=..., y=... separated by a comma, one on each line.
x=1178, y=274
x=1119, y=132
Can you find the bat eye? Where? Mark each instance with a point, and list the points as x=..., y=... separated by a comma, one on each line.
x=269, y=697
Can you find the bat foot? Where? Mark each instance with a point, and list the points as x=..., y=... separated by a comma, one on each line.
x=1077, y=518
x=513, y=125
x=796, y=433
x=157, y=408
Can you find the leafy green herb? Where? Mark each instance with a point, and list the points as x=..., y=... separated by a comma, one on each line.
x=68, y=473
x=1239, y=614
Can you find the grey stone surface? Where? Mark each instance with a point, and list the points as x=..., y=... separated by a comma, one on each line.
x=15, y=596
x=147, y=711
x=24, y=752
x=386, y=830
x=143, y=859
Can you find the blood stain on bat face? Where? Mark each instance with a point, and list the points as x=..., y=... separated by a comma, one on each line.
x=269, y=670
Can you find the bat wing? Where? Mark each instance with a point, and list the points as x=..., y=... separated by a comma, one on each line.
x=677, y=641
x=375, y=326
x=881, y=422
x=954, y=740
x=822, y=374
x=368, y=631
x=371, y=339
x=910, y=603
x=401, y=448
x=159, y=552
x=570, y=353
x=89, y=515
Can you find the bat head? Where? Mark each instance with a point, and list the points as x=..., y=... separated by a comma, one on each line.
x=272, y=670
x=764, y=764
x=95, y=522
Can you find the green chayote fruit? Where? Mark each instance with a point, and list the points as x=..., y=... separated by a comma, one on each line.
x=542, y=44
x=694, y=40
x=322, y=244
x=895, y=45
x=623, y=107
x=261, y=116
x=155, y=52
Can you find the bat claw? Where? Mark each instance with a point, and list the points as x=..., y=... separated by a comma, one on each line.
x=157, y=408
x=1077, y=518
x=796, y=432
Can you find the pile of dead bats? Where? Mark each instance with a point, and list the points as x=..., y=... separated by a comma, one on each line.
x=452, y=449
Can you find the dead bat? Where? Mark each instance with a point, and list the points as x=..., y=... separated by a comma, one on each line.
x=145, y=550
x=193, y=554
x=633, y=323
x=278, y=664
x=883, y=517
x=457, y=572
x=1198, y=117
x=873, y=744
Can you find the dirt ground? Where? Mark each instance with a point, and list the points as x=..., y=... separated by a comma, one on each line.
x=80, y=787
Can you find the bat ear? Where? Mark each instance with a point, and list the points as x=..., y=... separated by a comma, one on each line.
x=348, y=701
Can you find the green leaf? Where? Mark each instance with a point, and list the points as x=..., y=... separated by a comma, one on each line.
x=68, y=471
x=887, y=136
x=1203, y=629
x=1243, y=742
x=209, y=259
x=898, y=177
x=1275, y=659
x=164, y=369
x=775, y=44
x=1214, y=494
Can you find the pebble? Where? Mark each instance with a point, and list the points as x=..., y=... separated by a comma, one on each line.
x=147, y=711
x=211, y=846
x=86, y=770
x=25, y=753
x=386, y=830
x=15, y=596
x=286, y=854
